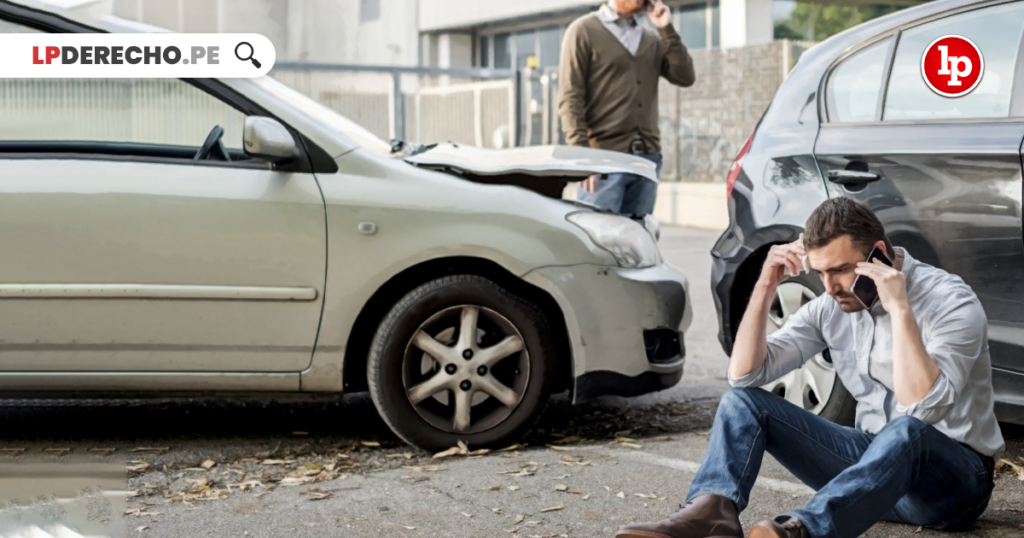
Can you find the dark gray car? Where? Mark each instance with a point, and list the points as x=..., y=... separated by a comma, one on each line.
x=856, y=118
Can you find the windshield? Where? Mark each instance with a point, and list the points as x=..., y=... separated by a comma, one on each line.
x=332, y=119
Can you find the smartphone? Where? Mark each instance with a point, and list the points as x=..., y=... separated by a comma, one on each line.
x=863, y=287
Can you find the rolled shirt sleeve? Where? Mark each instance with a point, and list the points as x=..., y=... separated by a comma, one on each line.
x=789, y=347
x=954, y=342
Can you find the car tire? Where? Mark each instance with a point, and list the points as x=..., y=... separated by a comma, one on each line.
x=799, y=387
x=434, y=400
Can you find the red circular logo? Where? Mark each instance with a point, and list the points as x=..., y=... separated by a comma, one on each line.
x=952, y=66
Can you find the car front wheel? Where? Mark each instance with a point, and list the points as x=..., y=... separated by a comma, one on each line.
x=815, y=385
x=461, y=359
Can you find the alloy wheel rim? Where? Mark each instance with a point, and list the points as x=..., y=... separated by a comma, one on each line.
x=811, y=385
x=466, y=369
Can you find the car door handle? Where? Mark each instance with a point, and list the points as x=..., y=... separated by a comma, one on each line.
x=852, y=177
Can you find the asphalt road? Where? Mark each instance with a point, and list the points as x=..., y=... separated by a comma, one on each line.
x=260, y=469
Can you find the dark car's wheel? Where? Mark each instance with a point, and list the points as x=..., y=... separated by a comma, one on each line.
x=461, y=359
x=814, y=386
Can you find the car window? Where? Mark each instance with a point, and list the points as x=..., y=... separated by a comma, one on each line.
x=997, y=33
x=855, y=84
x=152, y=111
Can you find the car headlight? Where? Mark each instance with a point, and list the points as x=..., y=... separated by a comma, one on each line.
x=630, y=243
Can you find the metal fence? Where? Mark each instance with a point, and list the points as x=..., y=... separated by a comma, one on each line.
x=468, y=106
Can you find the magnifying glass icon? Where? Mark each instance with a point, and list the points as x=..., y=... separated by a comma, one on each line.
x=248, y=57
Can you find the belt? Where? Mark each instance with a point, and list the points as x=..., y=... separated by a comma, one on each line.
x=637, y=145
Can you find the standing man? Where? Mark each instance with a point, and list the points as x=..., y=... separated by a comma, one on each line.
x=609, y=74
x=916, y=360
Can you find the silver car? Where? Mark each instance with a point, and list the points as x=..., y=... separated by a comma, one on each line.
x=291, y=251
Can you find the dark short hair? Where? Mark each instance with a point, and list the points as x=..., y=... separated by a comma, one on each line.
x=841, y=216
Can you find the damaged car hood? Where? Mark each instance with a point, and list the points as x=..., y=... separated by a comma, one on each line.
x=559, y=161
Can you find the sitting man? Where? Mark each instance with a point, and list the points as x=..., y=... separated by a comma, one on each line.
x=917, y=361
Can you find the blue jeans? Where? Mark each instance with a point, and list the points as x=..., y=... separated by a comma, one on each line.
x=628, y=194
x=908, y=472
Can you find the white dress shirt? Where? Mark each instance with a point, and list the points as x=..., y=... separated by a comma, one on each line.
x=954, y=330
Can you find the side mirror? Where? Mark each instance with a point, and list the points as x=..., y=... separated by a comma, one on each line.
x=265, y=138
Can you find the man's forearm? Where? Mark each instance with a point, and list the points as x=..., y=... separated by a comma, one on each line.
x=751, y=345
x=914, y=371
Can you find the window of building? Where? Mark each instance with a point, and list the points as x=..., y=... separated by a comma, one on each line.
x=715, y=24
x=483, y=58
x=806, y=21
x=693, y=26
x=550, y=39
x=369, y=10
x=854, y=86
x=525, y=48
x=996, y=31
x=502, y=51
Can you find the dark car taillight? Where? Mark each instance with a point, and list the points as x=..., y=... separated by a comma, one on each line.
x=737, y=165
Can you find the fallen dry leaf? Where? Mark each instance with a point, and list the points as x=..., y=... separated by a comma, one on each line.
x=371, y=444
x=553, y=509
x=276, y=462
x=208, y=464
x=154, y=449
x=137, y=466
x=519, y=519
x=561, y=487
x=561, y=448
x=569, y=440
x=620, y=495
x=141, y=528
x=492, y=488
x=104, y=451
x=423, y=468
x=531, y=523
x=571, y=459
x=513, y=488
x=586, y=497
x=408, y=528
x=447, y=453
x=919, y=529
x=58, y=451
x=467, y=515
x=516, y=446
x=317, y=495
x=608, y=489
x=12, y=451
x=630, y=445
x=496, y=510
x=1006, y=465
x=645, y=495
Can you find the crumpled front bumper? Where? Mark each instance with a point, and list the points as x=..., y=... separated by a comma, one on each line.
x=625, y=326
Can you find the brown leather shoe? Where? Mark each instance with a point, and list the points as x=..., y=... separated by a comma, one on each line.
x=780, y=527
x=707, y=516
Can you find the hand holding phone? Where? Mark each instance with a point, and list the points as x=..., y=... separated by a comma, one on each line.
x=659, y=14
x=864, y=288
